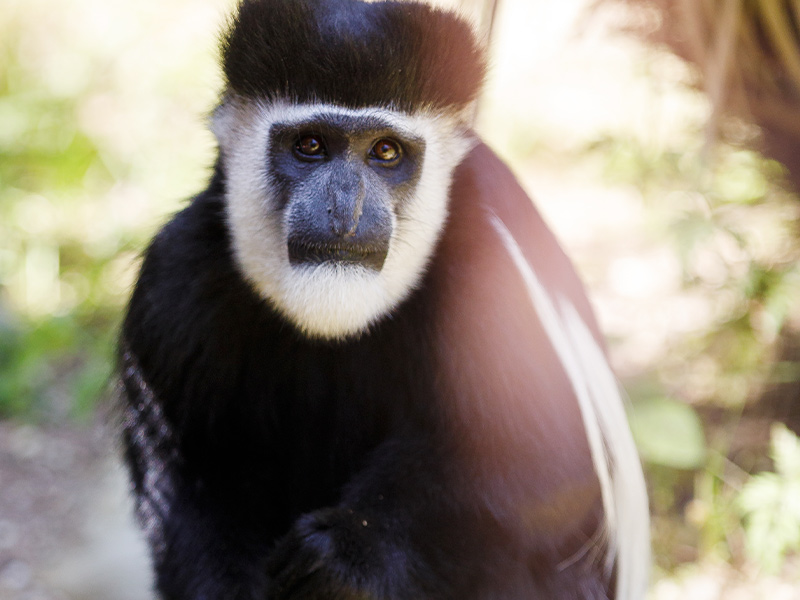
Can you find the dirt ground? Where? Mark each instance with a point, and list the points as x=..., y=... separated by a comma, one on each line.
x=66, y=530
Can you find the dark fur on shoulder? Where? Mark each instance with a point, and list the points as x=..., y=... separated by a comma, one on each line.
x=339, y=52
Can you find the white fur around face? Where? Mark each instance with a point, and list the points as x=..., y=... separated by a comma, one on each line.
x=330, y=300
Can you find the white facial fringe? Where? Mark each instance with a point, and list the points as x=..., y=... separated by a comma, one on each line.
x=331, y=301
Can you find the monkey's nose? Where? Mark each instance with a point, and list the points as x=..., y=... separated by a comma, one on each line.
x=343, y=225
x=346, y=205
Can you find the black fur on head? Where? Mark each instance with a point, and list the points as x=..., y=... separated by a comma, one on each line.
x=403, y=55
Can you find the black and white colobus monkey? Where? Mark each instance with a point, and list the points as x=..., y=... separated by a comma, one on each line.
x=358, y=365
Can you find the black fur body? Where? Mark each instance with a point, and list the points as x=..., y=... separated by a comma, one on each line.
x=438, y=455
x=247, y=441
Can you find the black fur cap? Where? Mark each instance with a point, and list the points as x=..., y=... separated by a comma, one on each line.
x=405, y=55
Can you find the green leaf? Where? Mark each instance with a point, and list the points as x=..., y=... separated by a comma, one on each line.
x=668, y=433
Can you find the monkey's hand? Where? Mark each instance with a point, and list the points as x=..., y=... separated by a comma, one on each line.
x=340, y=554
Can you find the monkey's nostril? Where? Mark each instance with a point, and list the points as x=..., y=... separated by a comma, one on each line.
x=344, y=227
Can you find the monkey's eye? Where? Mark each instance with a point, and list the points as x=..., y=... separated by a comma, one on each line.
x=310, y=146
x=385, y=150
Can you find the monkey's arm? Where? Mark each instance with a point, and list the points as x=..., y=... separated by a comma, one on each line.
x=407, y=530
x=394, y=534
x=200, y=550
x=370, y=545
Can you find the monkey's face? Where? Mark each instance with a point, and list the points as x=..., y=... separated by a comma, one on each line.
x=334, y=213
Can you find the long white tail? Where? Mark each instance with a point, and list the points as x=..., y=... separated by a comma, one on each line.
x=602, y=408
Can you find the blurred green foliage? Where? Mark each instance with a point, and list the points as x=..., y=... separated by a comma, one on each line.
x=770, y=504
x=734, y=227
x=733, y=224
x=85, y=178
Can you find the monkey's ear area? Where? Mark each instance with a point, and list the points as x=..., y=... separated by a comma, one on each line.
x=403, y=55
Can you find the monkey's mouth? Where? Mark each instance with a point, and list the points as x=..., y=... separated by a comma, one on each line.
x=371, y=257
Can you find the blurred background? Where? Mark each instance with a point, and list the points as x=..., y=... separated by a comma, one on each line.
x=661, y=140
